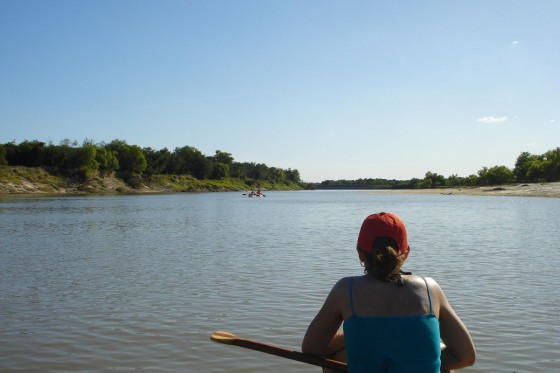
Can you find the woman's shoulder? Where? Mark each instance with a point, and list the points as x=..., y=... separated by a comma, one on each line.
x=420, y=283
x=343, y=283
x=423, y=282
x=420, y=279
x=338, y=296
x=433, y=285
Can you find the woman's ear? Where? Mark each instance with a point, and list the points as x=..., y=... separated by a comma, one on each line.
x=405, y=254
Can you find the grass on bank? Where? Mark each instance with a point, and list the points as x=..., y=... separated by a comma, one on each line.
x=187, y=183
x=17, y=179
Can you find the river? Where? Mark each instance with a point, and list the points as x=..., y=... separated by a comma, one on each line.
x=122, y=283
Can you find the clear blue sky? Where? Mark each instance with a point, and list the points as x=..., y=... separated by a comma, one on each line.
x=335, y=89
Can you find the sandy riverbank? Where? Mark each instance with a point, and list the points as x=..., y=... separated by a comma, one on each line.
x=550, y=190
x=546, y=190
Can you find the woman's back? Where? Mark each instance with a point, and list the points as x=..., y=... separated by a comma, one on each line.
x=391, y=328
x=372, y=297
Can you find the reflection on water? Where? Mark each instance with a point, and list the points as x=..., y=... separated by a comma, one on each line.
x=140, y=282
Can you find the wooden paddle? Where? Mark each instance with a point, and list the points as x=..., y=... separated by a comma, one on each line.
x=231, y=339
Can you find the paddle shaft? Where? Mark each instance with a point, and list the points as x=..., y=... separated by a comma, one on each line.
x=289, y=354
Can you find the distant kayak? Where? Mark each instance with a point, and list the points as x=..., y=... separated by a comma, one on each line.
x=256, y=194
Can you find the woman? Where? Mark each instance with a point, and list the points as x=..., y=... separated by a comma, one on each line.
x=393, y=321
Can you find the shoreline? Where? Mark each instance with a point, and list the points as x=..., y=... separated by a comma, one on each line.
x=539, y=190
x=542, y=190
x=26, y=181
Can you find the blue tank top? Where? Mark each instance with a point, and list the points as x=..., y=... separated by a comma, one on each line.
x=396, y=344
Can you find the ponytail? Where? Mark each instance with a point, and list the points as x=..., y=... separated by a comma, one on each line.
x=384, y=262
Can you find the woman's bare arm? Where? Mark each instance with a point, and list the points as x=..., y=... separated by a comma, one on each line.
x=321, y=337
x=460, y=351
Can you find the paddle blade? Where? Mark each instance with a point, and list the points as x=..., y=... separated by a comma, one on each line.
x=223, y=337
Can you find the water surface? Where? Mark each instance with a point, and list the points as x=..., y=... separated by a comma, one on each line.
x=119, y=283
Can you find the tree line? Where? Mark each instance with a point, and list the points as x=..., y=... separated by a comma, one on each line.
x=130, y=162
x=529, y=168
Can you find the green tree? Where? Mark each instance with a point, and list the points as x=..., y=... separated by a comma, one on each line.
x=3, y=159
x=237, y=170
x=496, y=175
x=55, y=157
x=483, y=176
x=69, y=143
x=190, y=161
x=131, y=160
x=157, y=161
x=85, y=163
x=536, y=171
x=116, y=145
x=223, y=157
x=414, y=183
x=552, y=164
x=425, y=184
x=455, y=180
x=259, y=171
x=434, y=180
x=220, y=171
x=28, y=153
x=107, y=160
x=293, y=175
x=88, y=142
x=522, y=165
x=84, y=157
x=11, y=150
x=471, y=180
x=277, y=175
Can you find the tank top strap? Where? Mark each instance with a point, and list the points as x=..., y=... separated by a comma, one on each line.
x=350, y=297
x=429, y=294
